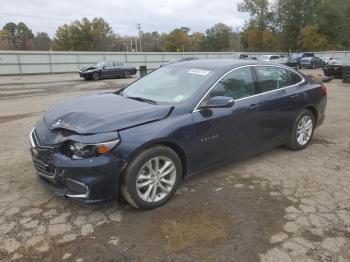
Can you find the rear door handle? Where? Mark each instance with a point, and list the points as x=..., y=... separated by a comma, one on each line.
x=254, y=107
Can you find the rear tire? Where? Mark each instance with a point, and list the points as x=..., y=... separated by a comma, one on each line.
x=127, y=74
x=303, y=130
x=151, y=178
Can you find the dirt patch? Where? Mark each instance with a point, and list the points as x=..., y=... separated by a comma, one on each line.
x=196, y=229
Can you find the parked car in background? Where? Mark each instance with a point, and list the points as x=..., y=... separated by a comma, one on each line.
x=107, y=70
x=182, y=59
x=311, y=62
x=285, y=61
x=179, y=120
x=295, y=58
x=335, y=69
x=268, y=58
x=330, y=60
x=243, y=56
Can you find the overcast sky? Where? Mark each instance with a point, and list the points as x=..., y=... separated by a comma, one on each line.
x=122, y=15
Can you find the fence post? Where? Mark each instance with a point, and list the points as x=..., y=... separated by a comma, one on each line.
x=50, y=62
x=19, y=64
x=79, y=62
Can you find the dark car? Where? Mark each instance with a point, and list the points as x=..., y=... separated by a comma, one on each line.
x=335, y=69
x=179, y=120
x=285, y=61
x=107, y=70
x=311, y=62
x=182, y=59
x=295, y=58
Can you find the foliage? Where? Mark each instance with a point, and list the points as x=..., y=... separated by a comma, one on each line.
x=85, y=35
x=18, y=36
x=177, y=40
x=41, y=42
x=312, y=40
x=218, y=37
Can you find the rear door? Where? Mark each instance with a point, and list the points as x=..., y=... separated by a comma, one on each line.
x=281, y=102
x=226, y=133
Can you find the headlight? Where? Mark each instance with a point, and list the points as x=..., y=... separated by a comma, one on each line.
x=78, y=150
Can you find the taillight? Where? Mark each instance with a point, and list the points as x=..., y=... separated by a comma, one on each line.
x=324, y=90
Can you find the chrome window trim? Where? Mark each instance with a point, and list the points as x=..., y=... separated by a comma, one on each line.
x=267, y=92
x=196, y=107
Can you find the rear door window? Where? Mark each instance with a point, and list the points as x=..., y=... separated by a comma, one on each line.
x=271, y=78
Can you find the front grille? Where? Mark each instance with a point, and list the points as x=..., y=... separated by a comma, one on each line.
x=42, y=157
x=43, y=168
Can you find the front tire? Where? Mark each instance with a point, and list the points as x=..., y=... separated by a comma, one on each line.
x=302, y=131
x=151, y=178
x=96, y=76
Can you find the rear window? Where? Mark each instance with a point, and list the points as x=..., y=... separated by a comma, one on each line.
x=295, y=78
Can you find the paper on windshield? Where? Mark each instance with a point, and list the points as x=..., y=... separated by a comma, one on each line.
x=198, y=72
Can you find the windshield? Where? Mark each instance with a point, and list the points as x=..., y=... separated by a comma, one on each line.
x=297, y=56
x=169, y=84
x=100, y=64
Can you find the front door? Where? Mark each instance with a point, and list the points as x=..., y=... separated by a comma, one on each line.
x=221, y=134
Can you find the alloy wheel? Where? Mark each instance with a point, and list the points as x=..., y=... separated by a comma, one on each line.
x=96, y=76
x=127, y=74
x=304, y=130
x=156, y=179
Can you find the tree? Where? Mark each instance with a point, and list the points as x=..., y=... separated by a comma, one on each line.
x=41, y=42
x=197, y=42
x=293, y=16
x=218, y=38
x=19, y=36
x=312, y=40
x=95, y=35
x=261, y=17
x=260, y=41
x=150, y=42
x=177, y=40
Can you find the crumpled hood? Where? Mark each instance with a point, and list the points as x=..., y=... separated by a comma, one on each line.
x=87, y=68
x=103, y=113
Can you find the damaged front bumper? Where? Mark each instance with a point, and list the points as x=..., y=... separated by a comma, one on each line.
x=89, y=180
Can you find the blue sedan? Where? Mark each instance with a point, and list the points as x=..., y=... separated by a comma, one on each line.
x=141, y=141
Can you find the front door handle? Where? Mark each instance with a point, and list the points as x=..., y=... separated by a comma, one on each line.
x=254, y=107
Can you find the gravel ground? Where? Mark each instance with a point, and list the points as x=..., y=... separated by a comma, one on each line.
x=277, y=206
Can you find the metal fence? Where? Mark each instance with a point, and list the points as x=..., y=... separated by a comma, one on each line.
x=37, y=62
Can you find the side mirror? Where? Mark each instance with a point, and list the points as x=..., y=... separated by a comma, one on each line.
x=218, y=102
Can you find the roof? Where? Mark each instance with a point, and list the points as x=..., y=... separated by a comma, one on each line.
x=219, y=63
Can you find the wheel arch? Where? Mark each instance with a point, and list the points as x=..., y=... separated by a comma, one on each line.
x=172, y=145
x=313, y=110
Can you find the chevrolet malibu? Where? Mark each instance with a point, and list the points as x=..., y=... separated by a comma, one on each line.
x=141, y=141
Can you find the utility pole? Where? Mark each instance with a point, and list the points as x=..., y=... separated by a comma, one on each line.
x=138, y=26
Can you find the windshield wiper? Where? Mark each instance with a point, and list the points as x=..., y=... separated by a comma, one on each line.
x=142, y=99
